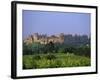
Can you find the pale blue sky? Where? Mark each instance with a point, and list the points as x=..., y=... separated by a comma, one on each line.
x=44, y=22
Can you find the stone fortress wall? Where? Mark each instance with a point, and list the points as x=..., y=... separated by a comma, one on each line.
x=44, y=39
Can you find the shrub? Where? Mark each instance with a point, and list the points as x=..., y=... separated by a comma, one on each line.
x=51, y=56
x=27, y=63
x=36, y=57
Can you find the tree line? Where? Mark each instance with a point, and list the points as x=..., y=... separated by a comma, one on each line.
x=37, y=48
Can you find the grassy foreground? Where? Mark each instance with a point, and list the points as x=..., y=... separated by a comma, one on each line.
x=54, y=61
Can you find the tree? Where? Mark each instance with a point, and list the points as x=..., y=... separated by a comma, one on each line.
x=50, y=47
x=27, y=49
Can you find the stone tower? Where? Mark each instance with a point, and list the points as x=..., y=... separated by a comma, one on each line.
x=36, y=37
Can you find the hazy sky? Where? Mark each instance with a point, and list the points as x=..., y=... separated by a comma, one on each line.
x=44, y=22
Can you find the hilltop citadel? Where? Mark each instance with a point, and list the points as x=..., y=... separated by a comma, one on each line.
x=44, y=39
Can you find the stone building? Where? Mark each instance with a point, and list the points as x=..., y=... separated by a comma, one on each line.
x=44, y=39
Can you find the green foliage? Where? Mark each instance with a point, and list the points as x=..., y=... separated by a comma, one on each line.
x=74, y=52
x=36, y=48
x=49, y=47
x=36, y=57
x=27, y=49
x=54, y=61
x=83, y=51
x=27, y=62
x=50, y=56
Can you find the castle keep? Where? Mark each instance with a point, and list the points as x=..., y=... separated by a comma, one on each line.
x=44, y=39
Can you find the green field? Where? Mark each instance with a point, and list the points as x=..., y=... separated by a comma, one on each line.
x=55, y=60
